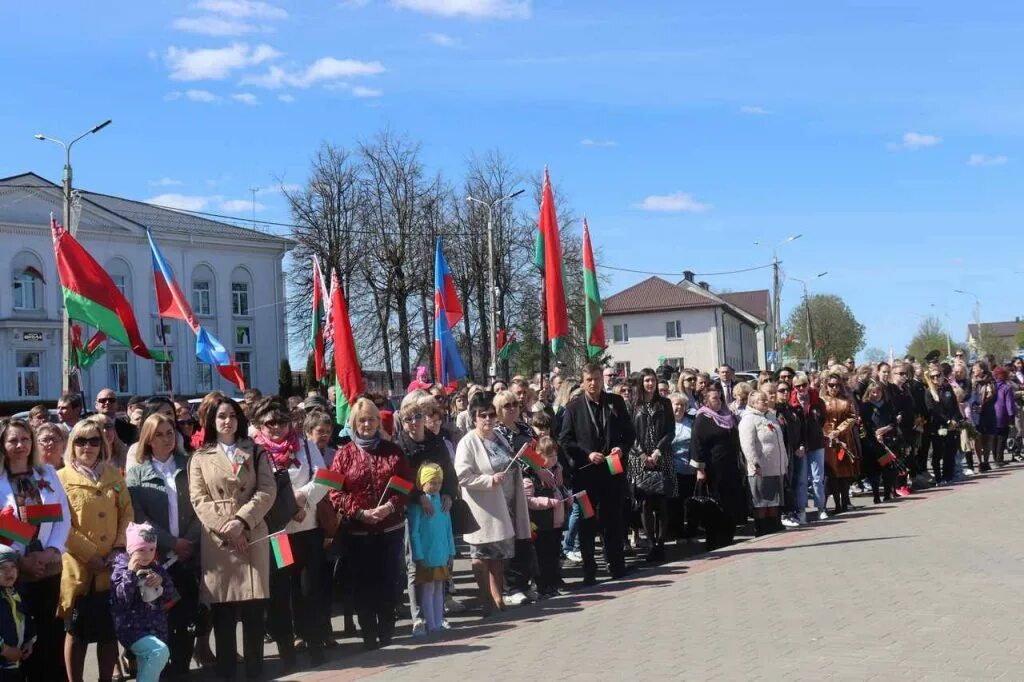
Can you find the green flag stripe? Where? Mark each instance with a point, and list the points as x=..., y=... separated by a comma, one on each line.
x=86, y=310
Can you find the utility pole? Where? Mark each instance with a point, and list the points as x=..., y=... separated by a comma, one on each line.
x=811, y=363
x=776, y=312
x=254, y=190
x=977, y=317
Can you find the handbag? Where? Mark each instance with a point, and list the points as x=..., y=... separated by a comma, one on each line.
x=649, y=481
x=285, y=506
x=702, y=510
x=463, y=521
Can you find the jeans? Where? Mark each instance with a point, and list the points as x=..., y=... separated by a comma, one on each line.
x=571, y=542
x=151, y=655
x=812, y=464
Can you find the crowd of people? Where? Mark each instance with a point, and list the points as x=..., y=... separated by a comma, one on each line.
x=146, y=531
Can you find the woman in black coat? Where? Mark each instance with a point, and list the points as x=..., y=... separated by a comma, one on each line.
x=715, y=453
x=943, y=412
x=651, y=470
x=878, y=437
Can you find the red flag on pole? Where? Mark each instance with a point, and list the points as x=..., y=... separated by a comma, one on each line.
x=346, y=363
x=550, y=244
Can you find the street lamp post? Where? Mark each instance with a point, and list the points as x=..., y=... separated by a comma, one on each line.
x=776, y=322
x=977, y=314
x=810, y=327
x=66, y=333
x=493, y=366
x=949, y=342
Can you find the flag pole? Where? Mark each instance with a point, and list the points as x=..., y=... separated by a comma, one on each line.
x=167, y=359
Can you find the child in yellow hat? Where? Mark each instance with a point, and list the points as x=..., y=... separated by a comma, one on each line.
x=433, y=546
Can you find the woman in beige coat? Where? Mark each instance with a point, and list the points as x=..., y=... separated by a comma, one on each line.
x=496, y=499
x=765, y=453
x=232, y=491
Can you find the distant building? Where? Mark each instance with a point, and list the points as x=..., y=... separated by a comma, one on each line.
x=232, y=275
x=1005, y=331
x=687, y=324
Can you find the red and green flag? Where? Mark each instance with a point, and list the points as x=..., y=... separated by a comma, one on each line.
x=400, y=485
x=614, y=462
x=507, y=344
x=331, y=479
x=14, y=529
x=595, y=322
x=530, y=455
x=548, y=257
x=44, y=513
x=348, y=377
x=90, y=295
x=583, y=500
x=316, y=337
x=281, y=546
x=83, y=357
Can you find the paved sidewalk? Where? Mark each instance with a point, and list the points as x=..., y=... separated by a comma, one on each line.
x=927, y=587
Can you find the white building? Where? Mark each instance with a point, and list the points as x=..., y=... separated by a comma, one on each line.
x=687, y=324
x=233, y=276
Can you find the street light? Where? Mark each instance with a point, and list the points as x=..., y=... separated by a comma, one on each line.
x=66, y=380
x=776, y=323
x=493, y=367
x=810, y=327
x=977, y=315
x=949, y=323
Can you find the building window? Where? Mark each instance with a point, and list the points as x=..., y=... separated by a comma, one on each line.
x=678, y=363
x=620, y=333
x=28, y=289
x=162, y=377
x=27, y=373
x=204, y=377
x=117, y=371
x=673, y=329
x=240, y=299
x=622, y=369
x=119, y=283
x=242, y=337
x=201, y=298
x=244, y=361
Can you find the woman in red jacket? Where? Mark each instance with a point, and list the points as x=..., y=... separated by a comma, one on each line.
x=375, y=516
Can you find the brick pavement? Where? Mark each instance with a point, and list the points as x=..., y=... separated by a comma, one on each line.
x=927, y=587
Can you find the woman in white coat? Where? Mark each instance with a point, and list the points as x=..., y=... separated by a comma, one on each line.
x=496, y=499
x=25, y=482
x=765, y=453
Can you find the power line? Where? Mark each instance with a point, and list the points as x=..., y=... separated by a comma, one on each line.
x=677, y=273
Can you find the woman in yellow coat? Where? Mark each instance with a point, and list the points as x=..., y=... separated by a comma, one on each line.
x=101, y=508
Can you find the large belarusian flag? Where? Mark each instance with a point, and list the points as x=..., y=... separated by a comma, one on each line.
x=595, y=322
x=548, y=257
x=91, y=296
x=348, y=375
x=316, y=336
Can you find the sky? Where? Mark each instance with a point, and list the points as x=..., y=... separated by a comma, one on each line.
x=887, y=134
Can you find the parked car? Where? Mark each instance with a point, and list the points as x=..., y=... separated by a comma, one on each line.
x=24, y=415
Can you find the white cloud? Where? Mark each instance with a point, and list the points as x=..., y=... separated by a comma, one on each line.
x=757, y=111
x=286, y=98
x=677, y=202
x=914, y=141
x=245, y=98
x=214, y=26
x=323, y=70
x=192, y=95
x=476, y=9
x=236, y=205
x=361, y=92
x=591, y=142
x=165, y=182
x=986, y=160
x=215, y=63
x=184, y=202
x=243, y=9
x=353, y=4
x=443, y=40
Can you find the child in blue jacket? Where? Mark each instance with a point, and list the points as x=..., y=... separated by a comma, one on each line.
x=433, y=545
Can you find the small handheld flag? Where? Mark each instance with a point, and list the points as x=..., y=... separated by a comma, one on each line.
x=14, y=529
x=397, y=484
x=43, y=513
x=530, y=455
x=282, y=548
x=330, y=479
x=583, y=500
x=614, y=462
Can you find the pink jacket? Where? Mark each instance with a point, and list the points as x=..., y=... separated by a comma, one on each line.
x=556, y=504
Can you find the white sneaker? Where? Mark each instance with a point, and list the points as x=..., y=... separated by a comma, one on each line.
x=968, y=471
x=453, y=605
x=445, y=625
x=419, y=628
x=516, y=598
x=575, y=557
x=823, y=516
x=790, y=522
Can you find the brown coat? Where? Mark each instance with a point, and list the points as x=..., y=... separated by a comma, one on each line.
x=840, y=416
x=100, y=513
x=218, y=496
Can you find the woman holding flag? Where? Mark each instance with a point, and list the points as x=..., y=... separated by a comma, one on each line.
x=372, y=503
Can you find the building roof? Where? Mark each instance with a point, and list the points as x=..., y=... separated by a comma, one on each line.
x=655, y=293
x=24, y=197
x=754, y=302
x=1008, y=328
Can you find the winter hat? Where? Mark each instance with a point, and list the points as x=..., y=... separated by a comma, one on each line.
x=139, y=536
x=8, y=554
x=429, y=472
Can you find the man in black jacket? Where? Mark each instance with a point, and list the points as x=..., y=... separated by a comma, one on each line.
x=593, y=424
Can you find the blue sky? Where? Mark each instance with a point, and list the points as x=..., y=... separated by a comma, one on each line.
x=887, y=133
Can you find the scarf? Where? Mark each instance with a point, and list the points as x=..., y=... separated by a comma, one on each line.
x=94, y=474
x=725, y=419
x=280, y=452
x=367, y=444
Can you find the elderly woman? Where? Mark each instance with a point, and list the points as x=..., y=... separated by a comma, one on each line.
x=375, y=515
x=100, y=509
x=159, y=489
x=686, y=475
x=740, y=394
x=715, y=454
x=651, y=469
x=493, y=489
x=51, y=440
x=765, y=453
x=26, y=481
x=232, y=489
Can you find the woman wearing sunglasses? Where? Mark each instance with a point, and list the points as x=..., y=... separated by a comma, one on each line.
x=842, y=454
x=943, y=411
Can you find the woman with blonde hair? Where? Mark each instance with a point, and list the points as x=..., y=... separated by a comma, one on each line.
x=842, y=447
x=118, y=450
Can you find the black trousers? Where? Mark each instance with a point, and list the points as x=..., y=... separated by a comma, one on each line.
x=46, y=664
x=608, y=497
x=297, y=603
x=944, y=456
x=377, y=561
x=225, y=619
x=183, y=619
x=548, y=546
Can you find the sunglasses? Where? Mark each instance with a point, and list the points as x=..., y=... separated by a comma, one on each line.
x=106, y=400
x=92, y=442
x=274, y=423
x=184, y=422
x=486, y=415
x=934, y=376
x=412, y=419
x=834, y=385
x=900, y=374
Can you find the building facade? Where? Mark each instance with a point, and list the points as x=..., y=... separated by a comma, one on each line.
x=686, y=324
x=233, y=277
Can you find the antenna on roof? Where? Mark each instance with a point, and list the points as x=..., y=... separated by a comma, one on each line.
x=254, y=190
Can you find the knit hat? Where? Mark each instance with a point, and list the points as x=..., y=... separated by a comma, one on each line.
x=8, y=554
x=429, y=472
x=139, y=536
